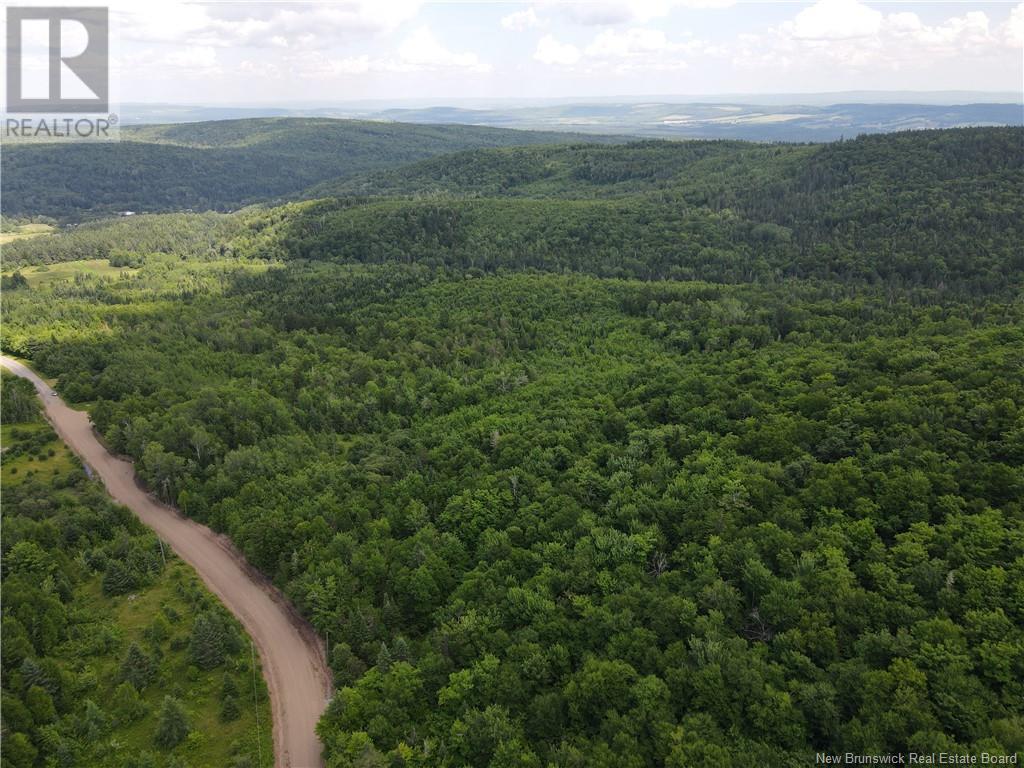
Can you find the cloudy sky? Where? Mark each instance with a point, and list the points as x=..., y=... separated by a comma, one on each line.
x=258, y=52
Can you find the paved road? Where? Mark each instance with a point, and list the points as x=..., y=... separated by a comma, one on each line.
x=293, y=658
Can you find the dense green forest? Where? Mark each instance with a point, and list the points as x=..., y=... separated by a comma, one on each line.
x=675, y=455
x=223, y=165
x=722, y=211
x=195, y=235
x=933, y=208
x=113, y=653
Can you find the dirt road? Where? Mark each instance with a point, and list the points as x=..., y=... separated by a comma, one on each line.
x=292, y=656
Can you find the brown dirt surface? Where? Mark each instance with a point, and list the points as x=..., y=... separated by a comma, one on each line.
x=293, y=658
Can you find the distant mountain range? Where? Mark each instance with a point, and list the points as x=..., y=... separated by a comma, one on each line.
x=768, y=120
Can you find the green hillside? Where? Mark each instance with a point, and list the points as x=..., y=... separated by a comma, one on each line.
x=662, y=454
x=931, y=208
x=725, y=170
x=223, y=165
x=579, y=170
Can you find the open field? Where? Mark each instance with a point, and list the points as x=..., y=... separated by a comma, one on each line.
x=69, y=270
x=30, y=450
x=23, y=231
x=175, y=597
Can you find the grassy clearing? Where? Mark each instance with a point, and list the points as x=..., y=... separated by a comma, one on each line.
x=90, y=298
x=69, y=270
x=31, y=449
x=161, y=268
x=24, y=231
x=177, y=597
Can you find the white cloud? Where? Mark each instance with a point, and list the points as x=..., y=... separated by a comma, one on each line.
x=422, y=51
x=520, y=21
x=847, y=36
x=1013, y=29
x=614, y=12
x=192, y=57
x=617, y=51
x=262, y=69
x=367, y=46
x=836, y=20
x=189, y=62
x=317, y=25
x=955, y=35
x=631, y=42
x=550, y=51
x=314, y=65
x=158, y=22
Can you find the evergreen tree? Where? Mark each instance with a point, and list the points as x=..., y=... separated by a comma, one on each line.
x=384, y=658
x=400, y=649
x=127, y=705
x=229, y=709
x=33, y=675
x=207, y=643
x=347, y=667
x=158, y=630
x=117, y=579
x=228, y=687
x=137, y=668
x=40, y=703
x=172, y=724
x=93, y=722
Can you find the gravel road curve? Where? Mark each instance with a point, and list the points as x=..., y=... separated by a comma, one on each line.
x=293, y=657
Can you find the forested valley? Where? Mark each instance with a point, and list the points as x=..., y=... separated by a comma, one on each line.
x=224, y=164
x=656, y=454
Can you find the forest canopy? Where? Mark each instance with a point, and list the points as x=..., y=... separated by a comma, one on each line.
x=223, y=165
x=703, y=454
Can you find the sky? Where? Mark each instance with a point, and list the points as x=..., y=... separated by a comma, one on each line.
x=287, y=52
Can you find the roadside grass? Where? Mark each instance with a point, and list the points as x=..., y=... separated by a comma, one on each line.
x=178, y=596
x=30, y=449
x=102, y=628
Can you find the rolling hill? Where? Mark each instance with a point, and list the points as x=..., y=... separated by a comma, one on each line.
x=761, y=117
x=223, y=165
x=932, y=208
x=655, y=454
x=920, y=207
